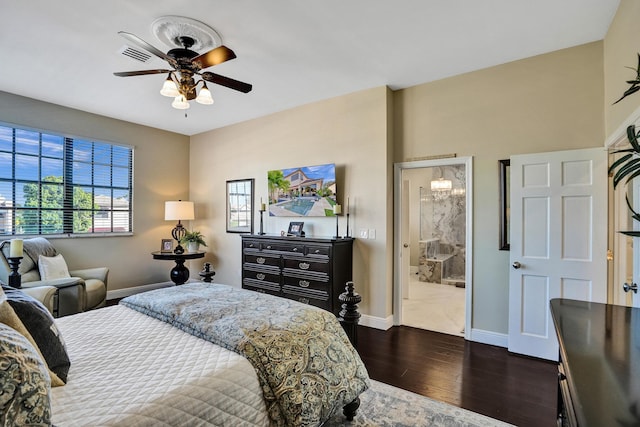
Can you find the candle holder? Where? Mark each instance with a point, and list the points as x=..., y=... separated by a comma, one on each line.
x=337, y=236
x=262, y=233
x=347, y=225
x=15, y=280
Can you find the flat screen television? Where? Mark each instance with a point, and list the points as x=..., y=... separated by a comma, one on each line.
x=302, y=191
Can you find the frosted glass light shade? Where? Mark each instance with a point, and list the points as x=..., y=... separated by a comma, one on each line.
x=180, y=103
x=178, y=210
x=204, y=97
x=169, y=88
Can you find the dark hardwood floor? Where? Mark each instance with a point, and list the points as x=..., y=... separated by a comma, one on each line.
x=482, y=378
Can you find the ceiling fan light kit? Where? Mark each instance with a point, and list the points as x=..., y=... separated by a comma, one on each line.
x=181, y=83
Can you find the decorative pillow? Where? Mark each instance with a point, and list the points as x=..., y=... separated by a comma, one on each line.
x=53, y=267
x=24, y=382
x=9, y=317
x=39, y=322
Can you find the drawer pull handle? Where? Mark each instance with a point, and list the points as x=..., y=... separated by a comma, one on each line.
x=304, y=265
x=304, y=283
x=260, y=260
x=317, y=251
x=295, y=249
x=303, y=300
x=260, y=276
x=250, y=245
x=269, y=247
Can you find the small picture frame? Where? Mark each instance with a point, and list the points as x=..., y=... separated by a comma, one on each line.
x=166, y=245
x=295, y=228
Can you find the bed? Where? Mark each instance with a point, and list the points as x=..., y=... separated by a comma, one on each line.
x=206, y=354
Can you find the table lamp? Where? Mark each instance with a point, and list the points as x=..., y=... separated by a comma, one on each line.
x=178, y=210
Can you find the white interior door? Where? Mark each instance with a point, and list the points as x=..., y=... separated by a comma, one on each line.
x=558, y=242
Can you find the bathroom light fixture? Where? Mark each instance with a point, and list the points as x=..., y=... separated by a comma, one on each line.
x=441, y=189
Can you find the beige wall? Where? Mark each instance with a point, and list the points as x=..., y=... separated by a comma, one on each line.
x=350, y=131
x=161, y=162
x=621, y=49
x=546, y=103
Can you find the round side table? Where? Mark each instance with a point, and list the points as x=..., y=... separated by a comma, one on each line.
x=179, y=273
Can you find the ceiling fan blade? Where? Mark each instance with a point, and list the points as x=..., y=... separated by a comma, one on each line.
x=226, y=81
x=214, y=57
x=146, y=46
x=140, y=73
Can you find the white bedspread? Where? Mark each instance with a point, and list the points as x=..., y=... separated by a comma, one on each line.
x=129, y=369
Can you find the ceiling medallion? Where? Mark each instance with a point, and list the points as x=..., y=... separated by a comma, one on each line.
x=169, y=29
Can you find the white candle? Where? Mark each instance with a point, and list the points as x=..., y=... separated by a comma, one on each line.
x=337, y=209
x=263, y=207
x=15, y=250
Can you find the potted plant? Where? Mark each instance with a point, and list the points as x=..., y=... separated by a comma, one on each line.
x=192, y=240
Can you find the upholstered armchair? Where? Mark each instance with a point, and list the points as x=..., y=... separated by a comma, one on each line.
x=73, y=290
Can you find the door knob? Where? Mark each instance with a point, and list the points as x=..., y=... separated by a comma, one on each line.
x=516, y=265
x=630, y=287
x=406, y=245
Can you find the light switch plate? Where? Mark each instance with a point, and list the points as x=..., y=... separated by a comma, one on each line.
x=372, y=233
x=364, y=233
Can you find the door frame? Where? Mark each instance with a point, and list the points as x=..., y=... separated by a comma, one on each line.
x=618, y=210
x=399, y=205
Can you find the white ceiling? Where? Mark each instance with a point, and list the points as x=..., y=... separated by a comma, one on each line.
x=293, y=51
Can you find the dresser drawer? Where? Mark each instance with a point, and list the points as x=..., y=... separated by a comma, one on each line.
x=261, y=259
x=262, y=274
x=317, y=299
x=296, y=249
x=262, y=287
x=318, y=251
x=308, y=282
x=250, y=245
x=307, y=264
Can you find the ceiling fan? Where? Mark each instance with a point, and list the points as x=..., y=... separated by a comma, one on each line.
x=186, y=64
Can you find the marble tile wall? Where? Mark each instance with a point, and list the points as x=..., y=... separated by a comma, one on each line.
x=444, y=218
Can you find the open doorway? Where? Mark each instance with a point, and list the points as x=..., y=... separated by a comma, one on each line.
x=433, y=245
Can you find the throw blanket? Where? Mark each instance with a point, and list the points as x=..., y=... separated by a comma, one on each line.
x=305, y=363
x=38, y=246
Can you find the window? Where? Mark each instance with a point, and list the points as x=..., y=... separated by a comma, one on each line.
x=52, y=184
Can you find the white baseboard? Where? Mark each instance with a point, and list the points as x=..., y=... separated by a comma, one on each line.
x=491, y=338
x=376, y=322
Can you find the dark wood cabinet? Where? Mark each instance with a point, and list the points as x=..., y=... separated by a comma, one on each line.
x=306, y=269
x=599, y=369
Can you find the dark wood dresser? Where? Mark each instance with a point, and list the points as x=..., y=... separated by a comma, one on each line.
x=306, y=269
x=599, y=369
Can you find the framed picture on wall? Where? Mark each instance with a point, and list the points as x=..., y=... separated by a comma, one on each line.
x=505, y=204
x=240, y=206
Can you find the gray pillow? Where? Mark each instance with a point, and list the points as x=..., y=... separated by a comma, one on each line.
x=25, y=396
x=39, y=322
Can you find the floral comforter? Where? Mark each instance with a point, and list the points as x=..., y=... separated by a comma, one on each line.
x=306, y=365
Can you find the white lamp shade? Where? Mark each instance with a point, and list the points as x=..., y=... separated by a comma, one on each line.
x=204, y=97
x=169, y=88
x=180, y=102
x=178, y=210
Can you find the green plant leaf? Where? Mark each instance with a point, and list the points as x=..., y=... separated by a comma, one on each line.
x=620, y=161
x=629, y=168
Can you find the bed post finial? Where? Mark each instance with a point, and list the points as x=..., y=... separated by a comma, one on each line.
x=349, y=315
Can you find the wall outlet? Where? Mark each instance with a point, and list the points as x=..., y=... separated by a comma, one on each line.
x=372, y=233
x=364, y=233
